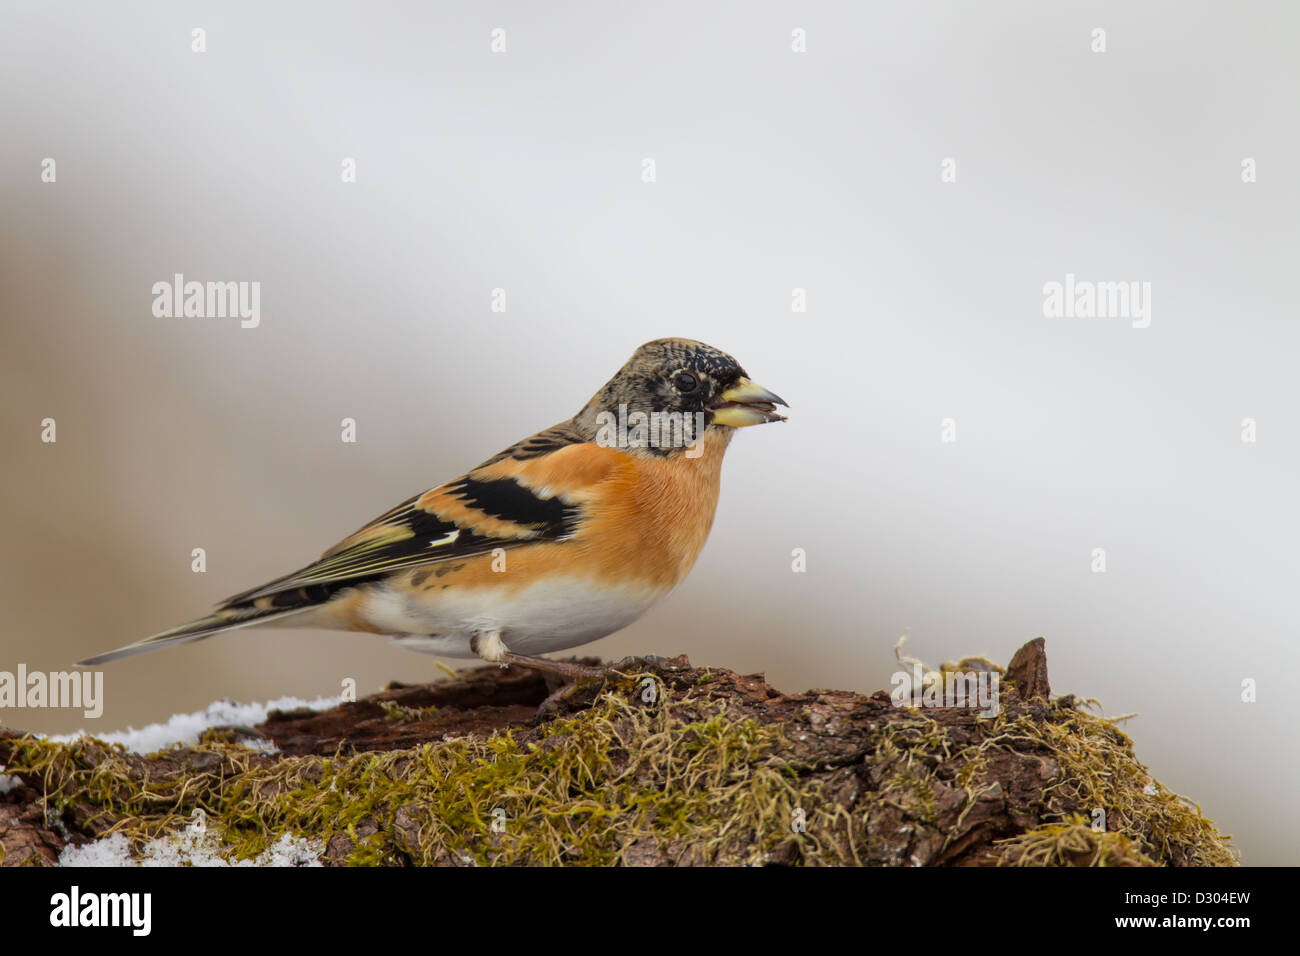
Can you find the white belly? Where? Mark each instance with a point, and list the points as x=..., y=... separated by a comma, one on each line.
x=550, y=615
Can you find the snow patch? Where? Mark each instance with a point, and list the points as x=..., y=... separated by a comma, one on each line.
x=7, y=782
x=185, y=729
x=193, y=846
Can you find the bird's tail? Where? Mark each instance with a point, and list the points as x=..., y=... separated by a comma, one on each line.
x=224, y=619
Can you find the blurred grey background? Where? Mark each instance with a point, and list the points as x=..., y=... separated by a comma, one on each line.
x=776, y=171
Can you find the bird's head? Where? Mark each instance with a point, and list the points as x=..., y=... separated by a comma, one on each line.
x=671, y=381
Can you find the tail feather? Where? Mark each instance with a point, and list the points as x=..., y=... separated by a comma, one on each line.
x=225, y=619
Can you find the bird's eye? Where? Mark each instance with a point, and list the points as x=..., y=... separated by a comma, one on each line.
x=685, y=382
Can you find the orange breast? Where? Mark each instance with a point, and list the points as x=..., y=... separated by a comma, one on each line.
x=646, y=519
x=654, y=518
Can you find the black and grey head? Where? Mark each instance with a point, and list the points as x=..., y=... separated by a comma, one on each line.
x=685, y=378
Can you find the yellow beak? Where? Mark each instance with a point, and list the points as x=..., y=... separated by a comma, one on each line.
x=747, y=403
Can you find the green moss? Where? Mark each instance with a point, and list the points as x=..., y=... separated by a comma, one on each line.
x=586, y=791
x=1071, y=844
x=1097, y=771
x=684, y=778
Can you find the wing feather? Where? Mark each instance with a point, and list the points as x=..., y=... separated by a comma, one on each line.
x=502, y=504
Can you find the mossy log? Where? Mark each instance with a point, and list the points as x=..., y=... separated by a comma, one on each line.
x=663, y=764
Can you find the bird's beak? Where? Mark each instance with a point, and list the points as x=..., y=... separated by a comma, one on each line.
x=746, y=403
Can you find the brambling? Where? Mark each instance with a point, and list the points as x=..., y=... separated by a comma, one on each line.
x=561, y=539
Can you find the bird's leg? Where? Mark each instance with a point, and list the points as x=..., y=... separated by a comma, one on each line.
x=489, y=646
x=568, y=670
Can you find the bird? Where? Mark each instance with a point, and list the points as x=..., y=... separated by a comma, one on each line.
x=561, y=539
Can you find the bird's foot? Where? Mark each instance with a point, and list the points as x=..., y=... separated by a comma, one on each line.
x=570, y=675
x=633, y=663
x=557, y=702
x=574, y=678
